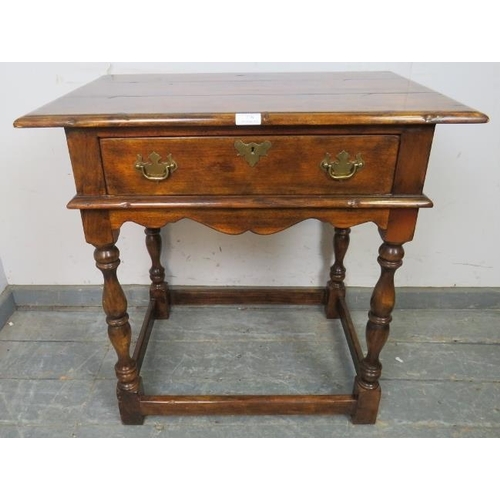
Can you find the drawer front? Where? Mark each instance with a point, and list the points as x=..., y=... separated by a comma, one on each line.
x=256, y=165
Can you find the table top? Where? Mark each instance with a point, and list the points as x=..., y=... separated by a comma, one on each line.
x=347, y=98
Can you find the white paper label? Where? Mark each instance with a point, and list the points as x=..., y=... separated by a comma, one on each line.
x=248, y=118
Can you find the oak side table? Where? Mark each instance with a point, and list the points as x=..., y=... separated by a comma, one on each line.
x=250, y=152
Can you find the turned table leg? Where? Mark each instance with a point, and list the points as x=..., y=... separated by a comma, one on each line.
x=115, y=306
x=366, y=385
x=159, y=288
x=336, y=287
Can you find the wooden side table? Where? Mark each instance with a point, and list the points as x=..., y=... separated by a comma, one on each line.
x=251, y=152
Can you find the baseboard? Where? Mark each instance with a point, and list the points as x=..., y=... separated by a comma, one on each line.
x=60, y=296
x=7, y=306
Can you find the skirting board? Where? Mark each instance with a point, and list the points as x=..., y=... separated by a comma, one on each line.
x=60, y=296
x=7, y=306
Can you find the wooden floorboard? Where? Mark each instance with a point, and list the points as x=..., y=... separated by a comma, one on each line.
x=440, y=372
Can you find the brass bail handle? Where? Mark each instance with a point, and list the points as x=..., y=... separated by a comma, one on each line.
x=155, y=170
x=342, y=169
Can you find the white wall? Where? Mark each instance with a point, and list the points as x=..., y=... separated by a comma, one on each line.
x=456, y=243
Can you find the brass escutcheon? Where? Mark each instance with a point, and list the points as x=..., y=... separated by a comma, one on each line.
x=154, y=170
x=252, y=151
x=342, y=169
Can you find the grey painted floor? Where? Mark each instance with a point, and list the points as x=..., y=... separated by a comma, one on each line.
x=441, y=372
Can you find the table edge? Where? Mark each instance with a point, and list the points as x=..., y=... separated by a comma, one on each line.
x=268, y=119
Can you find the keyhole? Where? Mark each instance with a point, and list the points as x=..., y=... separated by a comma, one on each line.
x=252, y=151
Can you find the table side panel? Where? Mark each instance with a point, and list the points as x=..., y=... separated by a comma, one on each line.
x=413, y=159
x=410, y=176
x=85, y=155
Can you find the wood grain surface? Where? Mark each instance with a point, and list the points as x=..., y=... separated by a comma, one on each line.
x=212, y=166
x=282, y=99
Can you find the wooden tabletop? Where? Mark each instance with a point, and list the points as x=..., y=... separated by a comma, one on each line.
x=354, y=98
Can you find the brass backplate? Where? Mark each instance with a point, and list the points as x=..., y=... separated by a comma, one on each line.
x=155, y=170
x=342, y=168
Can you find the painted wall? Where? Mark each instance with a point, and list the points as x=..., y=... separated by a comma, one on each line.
x=456, y=243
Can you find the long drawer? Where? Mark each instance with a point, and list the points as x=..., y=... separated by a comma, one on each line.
x=257, y=165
